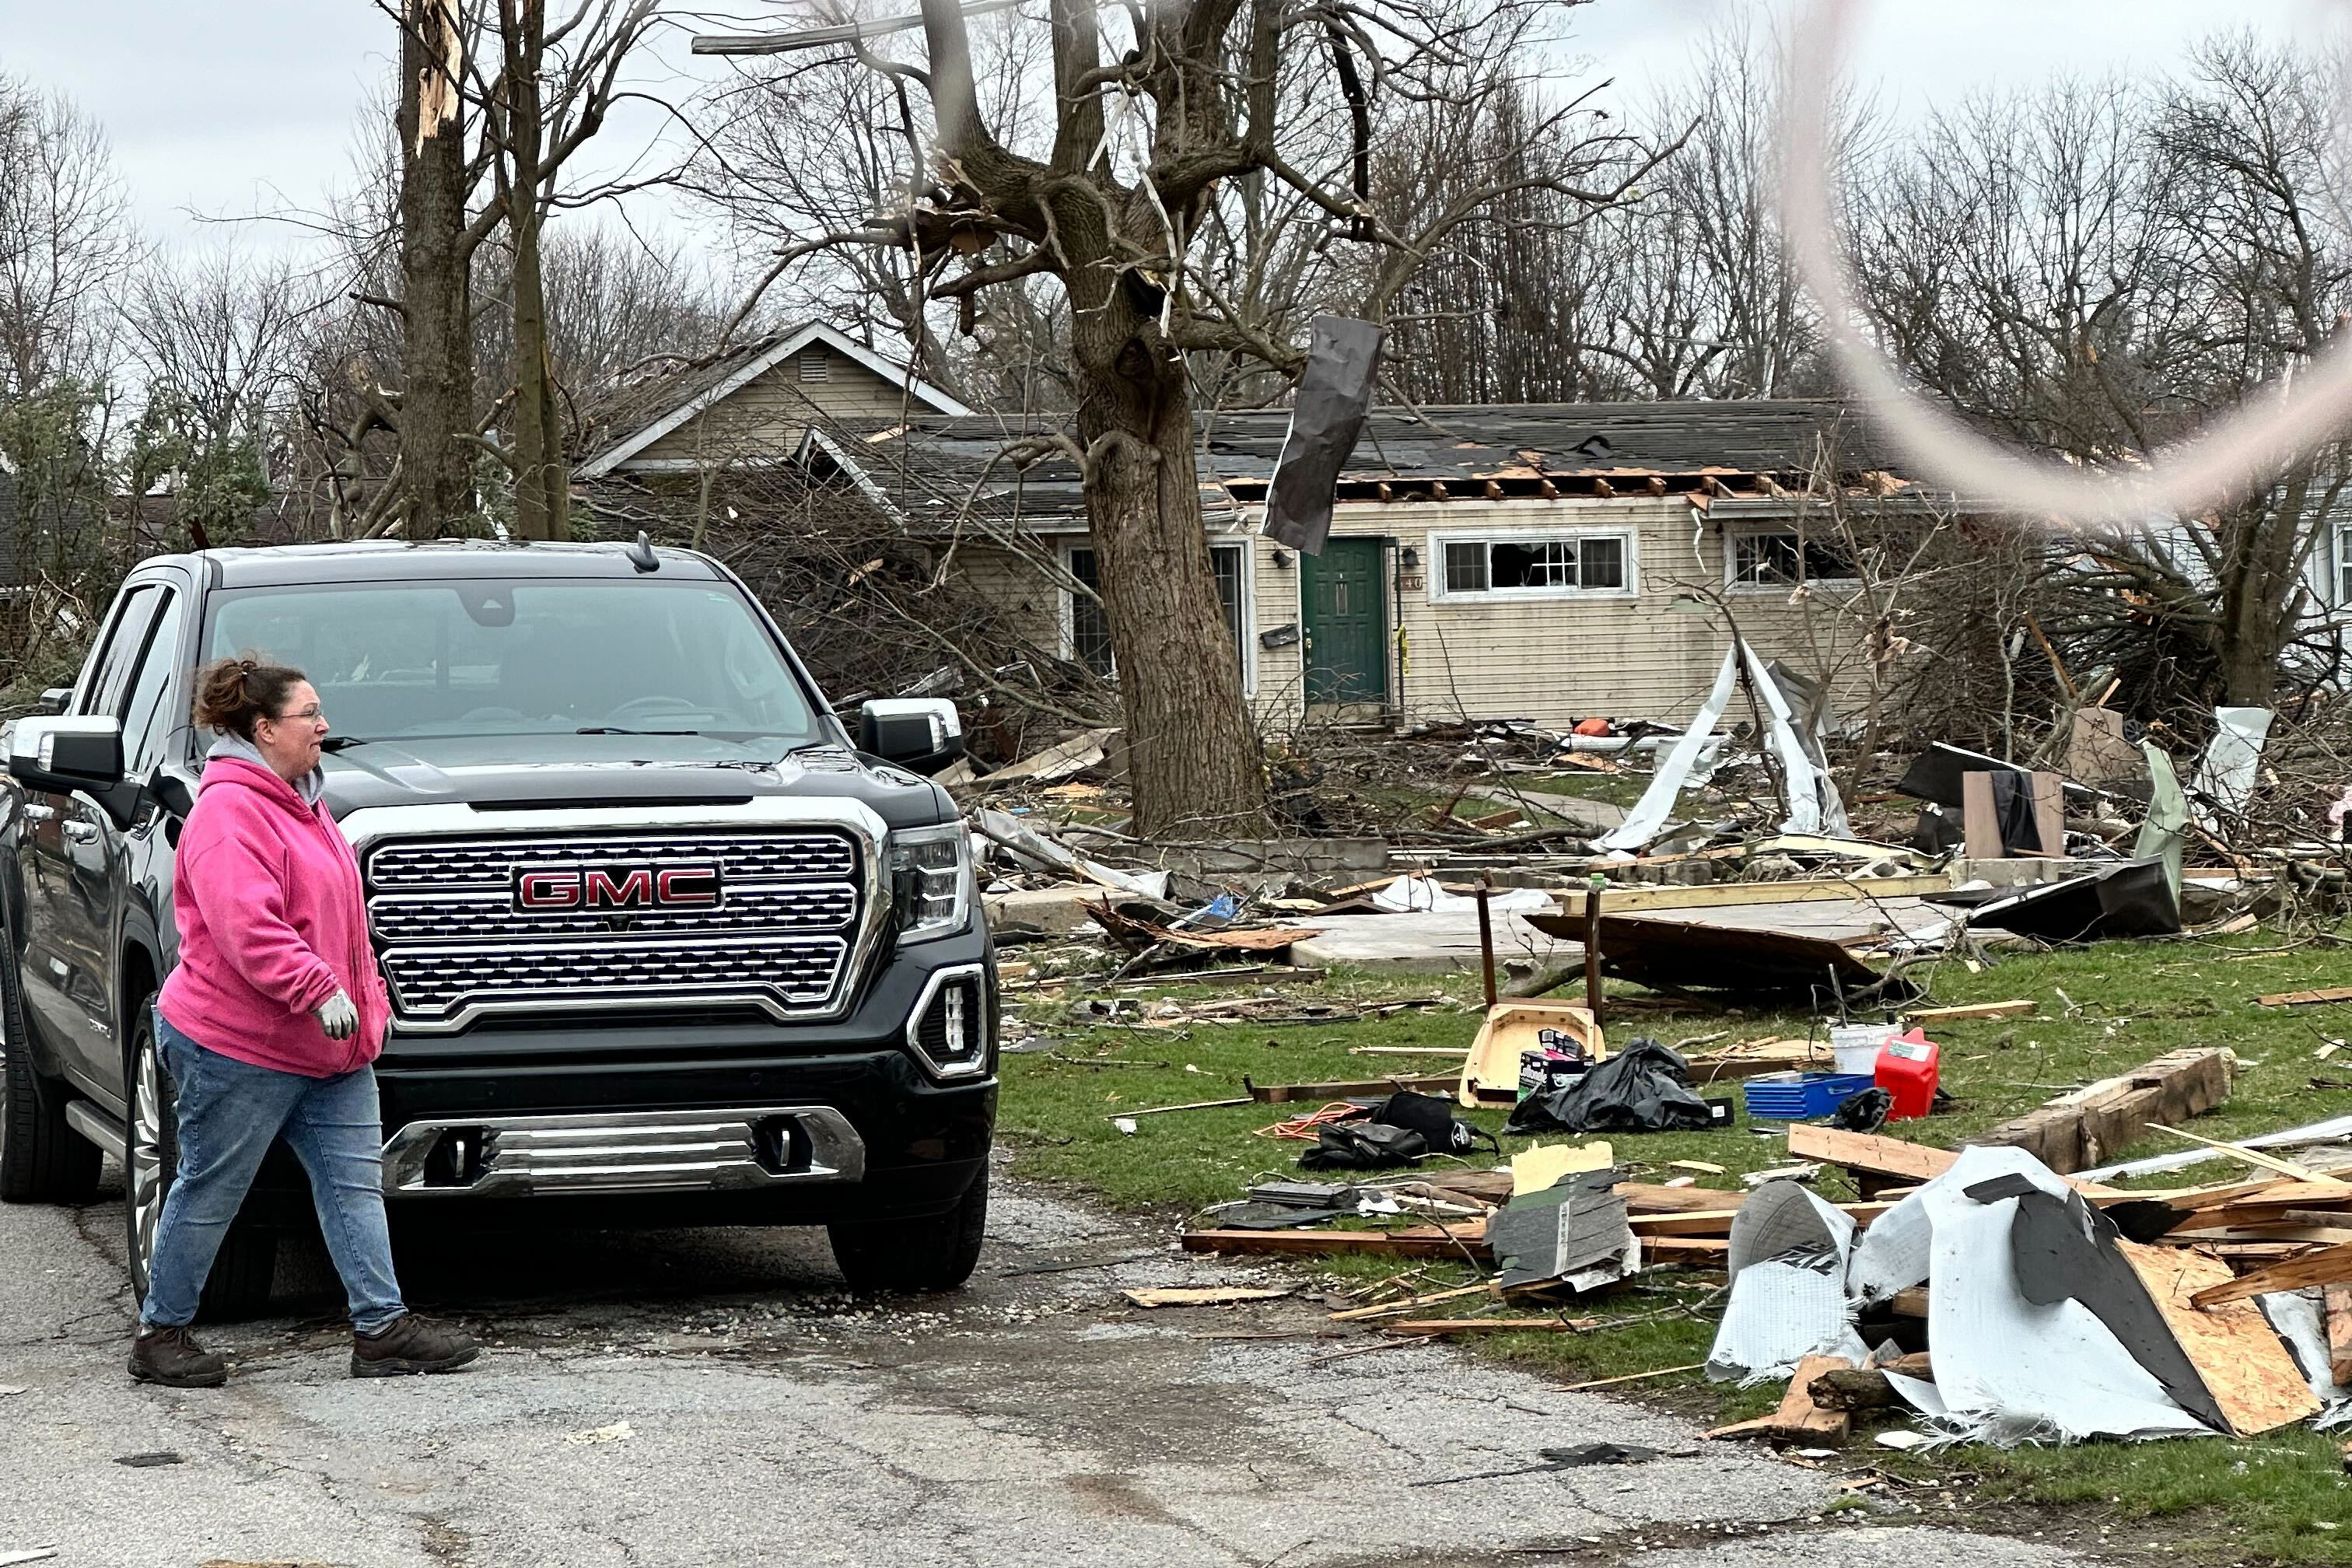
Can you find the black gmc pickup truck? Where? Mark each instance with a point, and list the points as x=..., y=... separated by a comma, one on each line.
x=665, y=945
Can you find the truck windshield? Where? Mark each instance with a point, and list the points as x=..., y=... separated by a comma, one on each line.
x=493, y=656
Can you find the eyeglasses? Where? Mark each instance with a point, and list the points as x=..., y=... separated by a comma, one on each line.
x=310, y=715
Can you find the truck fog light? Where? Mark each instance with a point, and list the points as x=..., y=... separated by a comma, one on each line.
x=949, y=1028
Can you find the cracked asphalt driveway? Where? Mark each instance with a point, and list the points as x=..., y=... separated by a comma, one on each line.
x=716, y=1398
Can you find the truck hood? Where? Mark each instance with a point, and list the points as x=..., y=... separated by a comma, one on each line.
x=513, y=771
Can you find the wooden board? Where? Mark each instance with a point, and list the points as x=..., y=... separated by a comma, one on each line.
x=1645, y=1197
x=2340, y=1334
x=1203, y=1295
x=2244, y=1364
x=1718, y=1222
x=1731, y=895
x=1490, y=1072
x=1416, y=1327
x=2091, y=1125
x=2329, y=1266
x=1468, y=1242
x=1972, y=1012
x=2307, y=998
x=1686, y=1251
x=1867, y=1151
x=1324, y=1093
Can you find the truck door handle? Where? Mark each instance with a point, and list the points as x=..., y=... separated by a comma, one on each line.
x=36, y=812
x=81, y=832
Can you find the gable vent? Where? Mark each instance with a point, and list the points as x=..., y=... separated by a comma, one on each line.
x=814, y=364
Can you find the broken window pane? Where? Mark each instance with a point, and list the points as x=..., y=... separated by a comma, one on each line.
x=1465, y=568
x=1537, y=564
x=1090, y=629
x=1769, y=558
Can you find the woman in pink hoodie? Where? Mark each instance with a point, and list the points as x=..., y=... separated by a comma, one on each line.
x=267, y=1027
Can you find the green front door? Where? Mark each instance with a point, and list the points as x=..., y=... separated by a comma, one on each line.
x=1347, y=622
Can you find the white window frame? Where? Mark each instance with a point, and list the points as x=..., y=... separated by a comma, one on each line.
x=1732, y=583
x=1065, y=601
x=2341, y=561
x=1440, y=592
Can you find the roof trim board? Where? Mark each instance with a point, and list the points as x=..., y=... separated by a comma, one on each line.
x=617, y=455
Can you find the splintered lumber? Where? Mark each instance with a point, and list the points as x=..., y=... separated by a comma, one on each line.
x=1868, y=1152
x=2307, y=998
x=1467, y=1241
x=1970, y=1012
x=1718, y=1222
x=1798, y=1419
x=1688, y=1251
x=1416, y=1327
x=2089, y=1126
x=1909, y=1302
x=1203, y=1295
x=2339, y=1334
x=2243, y=1363
x=2256, y=1157
x=1644, y=1197
x=1391, y=1309
x=2328, y=1266
x=1865, y=1388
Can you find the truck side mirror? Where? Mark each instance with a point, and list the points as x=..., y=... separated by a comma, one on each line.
x=921, y=734
x=54, y=699
x=61, y=755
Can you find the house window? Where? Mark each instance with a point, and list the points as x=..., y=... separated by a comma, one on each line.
x=814, y=365
x=1783, y=557
x=2344, y=563
x=1548, y=565
x=1088, y=630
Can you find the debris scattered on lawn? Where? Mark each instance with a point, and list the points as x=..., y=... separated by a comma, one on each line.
x=1553, y=1459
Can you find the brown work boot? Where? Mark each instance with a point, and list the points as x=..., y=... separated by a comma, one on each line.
x=412, y=1344
x=168, y=1356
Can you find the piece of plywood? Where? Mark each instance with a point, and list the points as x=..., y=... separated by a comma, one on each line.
x=1979, y=823
x=2091, y=1125
x=2243, y=1363
x=1543, y=1166
x=2305, y=998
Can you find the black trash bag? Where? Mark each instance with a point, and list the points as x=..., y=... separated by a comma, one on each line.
x=1364, y=1146
x=1865, y=1111
x=1645, y=1088
x=1432, y=1117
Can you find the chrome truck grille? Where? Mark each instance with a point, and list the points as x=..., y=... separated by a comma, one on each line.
x=531, y=921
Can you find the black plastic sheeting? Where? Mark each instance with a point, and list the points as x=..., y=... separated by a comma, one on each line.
x=2130, y=897
x=1645, y=1088
x=1335, y=394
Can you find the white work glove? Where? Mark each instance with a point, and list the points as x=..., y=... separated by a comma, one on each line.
x=338, y=1016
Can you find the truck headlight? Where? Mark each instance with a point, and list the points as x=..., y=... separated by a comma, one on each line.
x=930, y=880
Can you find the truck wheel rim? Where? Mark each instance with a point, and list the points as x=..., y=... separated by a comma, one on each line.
x=146, y=1158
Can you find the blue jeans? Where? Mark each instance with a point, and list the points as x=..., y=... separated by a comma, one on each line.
x=229, y=1113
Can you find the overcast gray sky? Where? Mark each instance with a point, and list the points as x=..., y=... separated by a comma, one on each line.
x=232, y=106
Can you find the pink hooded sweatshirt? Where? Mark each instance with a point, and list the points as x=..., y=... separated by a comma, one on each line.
x=265, y=892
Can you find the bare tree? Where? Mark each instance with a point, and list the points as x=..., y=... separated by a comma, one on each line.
x=1157, y=116
x=66, y=240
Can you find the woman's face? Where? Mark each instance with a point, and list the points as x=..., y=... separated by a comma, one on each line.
x=289, y=742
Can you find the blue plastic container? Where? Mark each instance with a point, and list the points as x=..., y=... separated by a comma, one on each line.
x=1800, y=1096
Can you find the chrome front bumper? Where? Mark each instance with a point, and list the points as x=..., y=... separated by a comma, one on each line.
x=623, y=1151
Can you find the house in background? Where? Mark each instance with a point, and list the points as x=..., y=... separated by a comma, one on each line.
x=759, y=403
x=1546, y=562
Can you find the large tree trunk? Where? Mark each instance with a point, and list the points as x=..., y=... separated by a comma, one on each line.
x=541, y=483
x=436, y=398
x=1192, y=749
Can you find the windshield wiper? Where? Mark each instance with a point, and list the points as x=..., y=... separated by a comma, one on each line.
x=617, y=730
x=342, y=742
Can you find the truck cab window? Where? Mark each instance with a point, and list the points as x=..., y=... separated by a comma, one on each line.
x=102, y=688
x=148, y=721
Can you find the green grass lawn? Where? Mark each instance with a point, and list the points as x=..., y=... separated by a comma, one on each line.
x=2102, y=1010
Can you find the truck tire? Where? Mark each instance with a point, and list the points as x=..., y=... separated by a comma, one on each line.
x=238, y=1285
x=934, y=1254
x=42, y=1159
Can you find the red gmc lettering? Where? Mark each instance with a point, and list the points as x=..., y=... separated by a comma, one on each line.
x=547, y=890
x=688, y=887
x=632, y=888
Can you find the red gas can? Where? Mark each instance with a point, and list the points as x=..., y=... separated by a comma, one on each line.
x=1908, y=1066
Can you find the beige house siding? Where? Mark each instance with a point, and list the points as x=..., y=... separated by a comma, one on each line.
x=766, y=417
x=1551, y=660
x=1020, y=587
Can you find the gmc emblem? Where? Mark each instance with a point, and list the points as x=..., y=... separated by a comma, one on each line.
x=549, y=889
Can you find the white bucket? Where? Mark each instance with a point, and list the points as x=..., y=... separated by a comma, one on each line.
x=1855, y=1047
